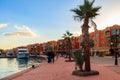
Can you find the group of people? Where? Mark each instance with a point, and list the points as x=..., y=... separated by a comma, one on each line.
x=50, y=56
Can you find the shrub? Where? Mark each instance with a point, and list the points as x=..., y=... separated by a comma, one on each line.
x=79, y=59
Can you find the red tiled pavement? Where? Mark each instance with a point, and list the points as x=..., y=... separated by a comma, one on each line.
x=62, y=70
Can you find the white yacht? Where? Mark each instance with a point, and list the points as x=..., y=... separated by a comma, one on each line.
x=23, y=53
x=10, y=53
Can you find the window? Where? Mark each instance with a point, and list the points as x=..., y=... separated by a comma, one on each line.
x=108, y=45
x=107, y=33
x=118, y=31
x=108, y=39
x=115, y=31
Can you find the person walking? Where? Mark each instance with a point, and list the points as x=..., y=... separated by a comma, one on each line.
x=52, y=56
x=49, y=56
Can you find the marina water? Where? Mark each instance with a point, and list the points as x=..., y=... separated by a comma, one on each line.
x=10, y=66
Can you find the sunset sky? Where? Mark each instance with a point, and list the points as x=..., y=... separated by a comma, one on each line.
x=24, y=22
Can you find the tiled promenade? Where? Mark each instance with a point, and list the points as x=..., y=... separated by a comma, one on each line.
x=61, y=70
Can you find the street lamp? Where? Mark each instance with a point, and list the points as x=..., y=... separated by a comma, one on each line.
x=114, y=52
x=116, y=58
x=114, y=44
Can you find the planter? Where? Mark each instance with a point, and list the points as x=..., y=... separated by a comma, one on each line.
x=85, y=73
x=69, y=60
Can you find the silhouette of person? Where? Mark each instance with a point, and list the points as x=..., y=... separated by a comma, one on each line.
x=52, y=56
x=49, y=57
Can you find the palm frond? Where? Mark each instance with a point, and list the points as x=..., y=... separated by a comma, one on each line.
x=79, y=14
x=86, y=10
x=94, y=25
x=67, y=35
x=87, y=5
x=78, y=18
x=96, y=9
x=77, y=11
x=67, y=32
x=92, y=2
x=64, y=36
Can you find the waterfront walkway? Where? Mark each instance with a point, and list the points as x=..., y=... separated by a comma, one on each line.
x=61, y=70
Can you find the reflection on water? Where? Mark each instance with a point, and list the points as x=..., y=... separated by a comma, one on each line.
x=12, y=65
x=22, y=63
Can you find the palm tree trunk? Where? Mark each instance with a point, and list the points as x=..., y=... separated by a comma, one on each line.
x=69, y=50
x=85, y=30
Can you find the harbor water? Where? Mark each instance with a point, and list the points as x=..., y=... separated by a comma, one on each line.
x=10, y=66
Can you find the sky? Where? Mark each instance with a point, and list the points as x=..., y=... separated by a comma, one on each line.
x=24, y=22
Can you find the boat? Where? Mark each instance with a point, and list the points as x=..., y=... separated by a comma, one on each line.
x=22, y=53
x=10, y=54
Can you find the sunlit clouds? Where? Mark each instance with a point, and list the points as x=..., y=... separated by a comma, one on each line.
x=3, y=25
x=21, y=32
x=76, y=33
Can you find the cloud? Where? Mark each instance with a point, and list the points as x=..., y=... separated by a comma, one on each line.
x=22, y=32
x=76, y=33
x=3, y=25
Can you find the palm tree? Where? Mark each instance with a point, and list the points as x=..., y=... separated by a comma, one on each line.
x=86, y=13
x=91, y=43
x=67, y=36
x=61, y=46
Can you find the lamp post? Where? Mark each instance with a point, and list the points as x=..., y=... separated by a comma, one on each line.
x=114, y=44
x=115, y=53
x=116, y=58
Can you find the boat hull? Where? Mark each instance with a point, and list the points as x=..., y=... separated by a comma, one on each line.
x=23, y=55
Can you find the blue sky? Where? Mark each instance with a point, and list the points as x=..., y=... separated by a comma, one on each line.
x=24, y=22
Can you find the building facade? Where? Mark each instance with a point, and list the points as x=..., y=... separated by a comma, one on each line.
x=102, y=41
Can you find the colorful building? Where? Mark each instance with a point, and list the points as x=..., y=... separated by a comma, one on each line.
x=34, y=49
x=101, y=39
